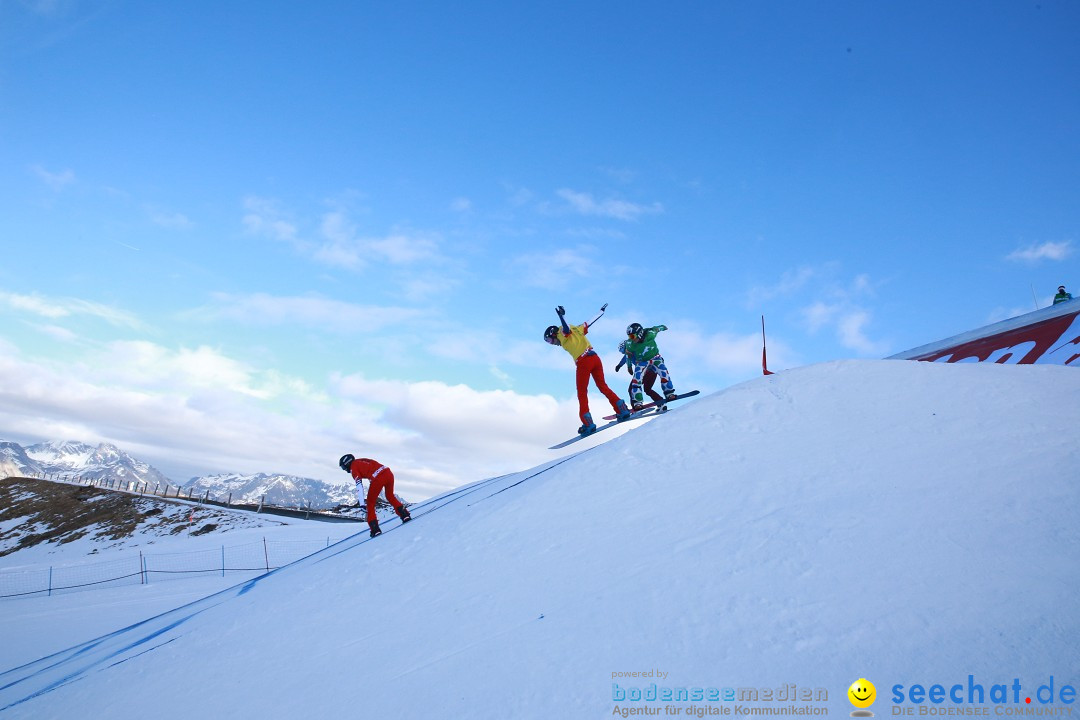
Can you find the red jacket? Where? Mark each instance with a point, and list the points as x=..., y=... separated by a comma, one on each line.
x=366, y=468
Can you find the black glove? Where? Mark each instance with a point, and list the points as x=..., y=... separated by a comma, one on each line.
x=560, y=311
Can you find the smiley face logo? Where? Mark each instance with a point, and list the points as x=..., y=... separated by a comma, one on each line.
x=862, y=693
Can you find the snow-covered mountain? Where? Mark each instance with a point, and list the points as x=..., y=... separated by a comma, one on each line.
x=15, y=461
x=273, y=489
x=99, y=462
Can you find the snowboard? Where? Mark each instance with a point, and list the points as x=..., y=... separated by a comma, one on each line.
x=633, y=416
x=646, y=406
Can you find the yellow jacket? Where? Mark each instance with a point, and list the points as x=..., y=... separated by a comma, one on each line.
x=575, y=343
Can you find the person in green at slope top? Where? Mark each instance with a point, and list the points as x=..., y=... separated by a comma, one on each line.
x=649, y=377
x=644, y=354
x=1062, y=296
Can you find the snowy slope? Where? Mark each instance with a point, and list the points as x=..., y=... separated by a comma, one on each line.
x=35, y=625
x=903, y=522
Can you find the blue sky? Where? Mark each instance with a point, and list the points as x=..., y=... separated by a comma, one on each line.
x=251, y=237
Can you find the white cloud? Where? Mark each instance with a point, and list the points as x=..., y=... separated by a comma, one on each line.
x=263, y=217
x=819, y=314
x=620, y=175
x=1054, y=251
x=166, y=219
x=200, y=409
x=848, y=321
x=557, y=269
x=519, y=196
x=421, y=288
x=833, y=303
x=689, y=350
x=790, y=282
x=402, y=249
x=143, y=364
x=585, y=204
x=339, y=242
x=61, y=307
x=472, y=425
x=56, y=181
x=58, y=333
x=499, y=350
x=312, y=311
x=47, y=7
x=851, y=330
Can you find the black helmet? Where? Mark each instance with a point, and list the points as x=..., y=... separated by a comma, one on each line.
x=635, y=330
x=551, y=335
x=345, y=462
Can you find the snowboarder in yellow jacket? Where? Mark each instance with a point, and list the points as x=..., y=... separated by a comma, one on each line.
x=571, y=338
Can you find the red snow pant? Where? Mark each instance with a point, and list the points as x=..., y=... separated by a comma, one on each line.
x=383, y=480
x=589, y=365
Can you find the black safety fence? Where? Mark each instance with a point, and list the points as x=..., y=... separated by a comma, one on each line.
x=168, y=491
x=254, y=558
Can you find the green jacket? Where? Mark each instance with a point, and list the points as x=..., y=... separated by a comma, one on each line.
x=1062, y=297
x=646, y=350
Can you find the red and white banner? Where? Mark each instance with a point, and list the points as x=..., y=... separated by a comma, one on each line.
x=1050, y=336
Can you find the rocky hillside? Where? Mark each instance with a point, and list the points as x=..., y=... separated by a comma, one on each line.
x=34, y=511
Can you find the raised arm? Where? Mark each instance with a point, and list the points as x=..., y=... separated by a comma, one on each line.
x=561, y=312
x=598, y=315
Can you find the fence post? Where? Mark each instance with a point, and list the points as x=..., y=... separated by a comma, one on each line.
x=142, y=569
x=228, y=503
x=222, y=561
x=266, y=554
x=50, y=581
x=206, y=496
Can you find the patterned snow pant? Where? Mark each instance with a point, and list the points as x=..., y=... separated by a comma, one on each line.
x=650, y=380
x=656, y=364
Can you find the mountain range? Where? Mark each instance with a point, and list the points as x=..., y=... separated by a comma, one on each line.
x=281, y=490
x=108, y=462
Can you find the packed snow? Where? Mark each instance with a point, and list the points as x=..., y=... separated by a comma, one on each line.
x=908, y=523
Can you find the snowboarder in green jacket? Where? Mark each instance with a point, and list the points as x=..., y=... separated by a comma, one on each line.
x=643, y=353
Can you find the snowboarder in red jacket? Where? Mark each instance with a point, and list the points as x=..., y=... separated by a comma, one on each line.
x=379, y=478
